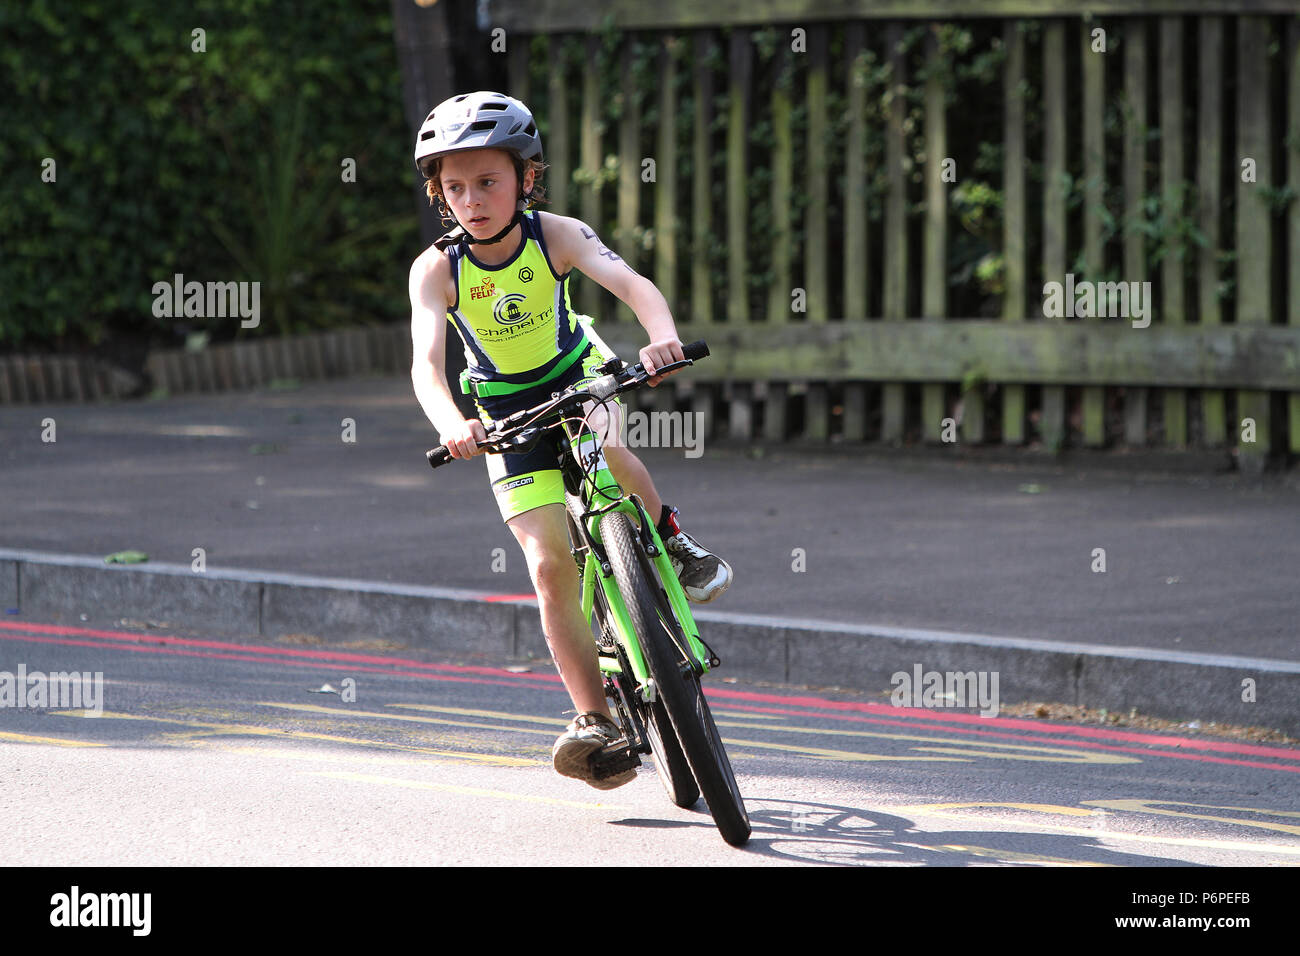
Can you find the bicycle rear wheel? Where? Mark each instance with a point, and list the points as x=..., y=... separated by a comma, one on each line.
x=677, y=683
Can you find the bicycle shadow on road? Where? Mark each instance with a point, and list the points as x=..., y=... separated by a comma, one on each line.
x=814, y=832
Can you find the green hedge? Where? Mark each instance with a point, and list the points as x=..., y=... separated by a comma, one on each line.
x=223, y=165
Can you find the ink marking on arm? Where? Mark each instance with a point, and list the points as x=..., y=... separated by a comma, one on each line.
x=604, y=250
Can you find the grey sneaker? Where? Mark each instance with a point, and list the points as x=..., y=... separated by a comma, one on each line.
x=575, y=747
x=703, y=575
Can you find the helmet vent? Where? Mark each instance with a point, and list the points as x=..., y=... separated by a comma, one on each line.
x=494, y=106
x=482, y=125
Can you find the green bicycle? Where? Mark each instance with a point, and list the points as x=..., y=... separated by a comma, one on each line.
x=651, y=653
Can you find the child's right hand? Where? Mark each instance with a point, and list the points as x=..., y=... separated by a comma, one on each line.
x=462, y=441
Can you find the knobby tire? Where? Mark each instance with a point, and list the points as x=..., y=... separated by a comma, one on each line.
x=671, y=766
x=678, y=685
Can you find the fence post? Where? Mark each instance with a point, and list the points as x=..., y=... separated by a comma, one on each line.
x=934, y=266
x=1254, y=222
x=1172, y=275
x=1051, y=421
x=856, y=265
x=1014, y=220
x=701, y=169
x=817, y=404
x=665, y=191
x=1135, y=149
x=1094, y=177
x=629, y=174
x=1209, y=174
x=557, y=140
x=895, y=287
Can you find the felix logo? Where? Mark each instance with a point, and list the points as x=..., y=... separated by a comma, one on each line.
x=485, y=290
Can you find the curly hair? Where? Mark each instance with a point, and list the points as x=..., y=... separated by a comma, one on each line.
x=433, y=182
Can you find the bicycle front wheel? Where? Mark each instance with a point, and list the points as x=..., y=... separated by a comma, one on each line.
x=671, y=767
x=677, y=683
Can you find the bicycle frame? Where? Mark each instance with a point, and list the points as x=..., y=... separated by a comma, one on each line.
x=586, y=447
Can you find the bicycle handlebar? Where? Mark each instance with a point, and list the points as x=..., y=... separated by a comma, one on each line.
x=606, y=386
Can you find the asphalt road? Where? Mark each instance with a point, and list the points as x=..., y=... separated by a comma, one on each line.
x=215, y=753
x=266, y=480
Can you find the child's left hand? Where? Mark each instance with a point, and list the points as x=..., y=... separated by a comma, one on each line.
x=659, y=353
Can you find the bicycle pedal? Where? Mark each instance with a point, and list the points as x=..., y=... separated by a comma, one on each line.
x=609, y=761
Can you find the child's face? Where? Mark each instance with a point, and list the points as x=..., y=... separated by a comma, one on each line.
x=481, y=189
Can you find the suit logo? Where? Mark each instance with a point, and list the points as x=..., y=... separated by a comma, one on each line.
x=507, y=311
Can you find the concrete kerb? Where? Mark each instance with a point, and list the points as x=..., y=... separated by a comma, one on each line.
x=474, y=624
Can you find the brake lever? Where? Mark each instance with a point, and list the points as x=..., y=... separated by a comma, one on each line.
x=636, y=374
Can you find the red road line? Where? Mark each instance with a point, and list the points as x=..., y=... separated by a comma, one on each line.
x=176, y=652
x=343, y=656
x=1085, y=745
x=1012, y=723
x=909, y=715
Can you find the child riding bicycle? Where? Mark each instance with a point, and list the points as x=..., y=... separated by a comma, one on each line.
x=500, y=277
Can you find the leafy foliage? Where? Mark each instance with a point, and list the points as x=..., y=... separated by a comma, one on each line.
x=223, y=164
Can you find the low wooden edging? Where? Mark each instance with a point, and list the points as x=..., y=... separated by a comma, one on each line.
x=29, y=379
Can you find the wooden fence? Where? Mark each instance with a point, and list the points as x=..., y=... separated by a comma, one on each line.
x=801, y=178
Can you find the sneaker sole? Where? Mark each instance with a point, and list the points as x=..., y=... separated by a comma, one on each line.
x=609, y=783
x=693, y=594
x=571, y=761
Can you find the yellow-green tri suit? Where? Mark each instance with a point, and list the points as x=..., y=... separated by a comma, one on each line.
x=514, y=318
x=523, y=341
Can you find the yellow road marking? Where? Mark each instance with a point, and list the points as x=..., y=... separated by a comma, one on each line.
x=204, y=729
x=1068, y=755
x=825, y=754
x=736, y=713
x=1021, y=857
x=341, y=712
x=966, y=751
x=1073, y=756
x=1147, y=806
x=1035, y=807
x=495, y=714
x=456, y=788
x=386, y=760
x=56, y=741
x=790, y=748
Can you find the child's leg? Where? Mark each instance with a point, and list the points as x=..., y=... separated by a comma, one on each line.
x=629, y=471
x=542, y=535
x=633, y=476
x=703, y=574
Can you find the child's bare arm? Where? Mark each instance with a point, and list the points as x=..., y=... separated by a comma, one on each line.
x=579, y=247
x=430, y=277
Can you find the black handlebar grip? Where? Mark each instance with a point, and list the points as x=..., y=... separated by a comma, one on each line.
x=438, y=456
x=696, y=350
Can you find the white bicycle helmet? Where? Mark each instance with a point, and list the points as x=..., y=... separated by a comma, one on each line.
x=481, y=120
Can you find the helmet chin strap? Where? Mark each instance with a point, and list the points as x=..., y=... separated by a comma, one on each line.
x=470, y=240
x=459, y=235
